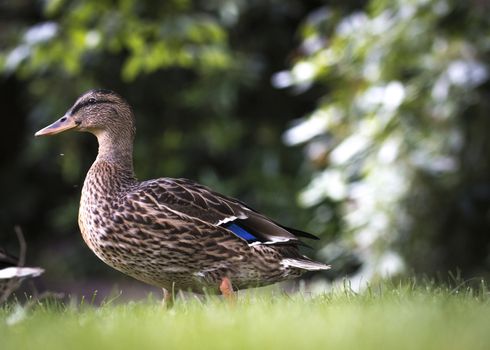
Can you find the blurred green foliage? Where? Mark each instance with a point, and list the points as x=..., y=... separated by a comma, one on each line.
x=400, y=137
x=383, y=102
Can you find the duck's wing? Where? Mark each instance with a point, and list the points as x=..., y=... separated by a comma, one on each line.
x=199, y=202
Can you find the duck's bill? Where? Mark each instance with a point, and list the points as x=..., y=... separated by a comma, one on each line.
x=62, y=124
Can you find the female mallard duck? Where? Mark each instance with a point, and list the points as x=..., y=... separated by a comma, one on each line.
x=171, y=233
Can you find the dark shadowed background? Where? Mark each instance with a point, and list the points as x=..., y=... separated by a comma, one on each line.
x=365, y=123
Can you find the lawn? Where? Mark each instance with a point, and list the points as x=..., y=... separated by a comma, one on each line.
x=384, y=317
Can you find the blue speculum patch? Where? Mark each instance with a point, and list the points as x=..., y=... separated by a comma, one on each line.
x=241, y=232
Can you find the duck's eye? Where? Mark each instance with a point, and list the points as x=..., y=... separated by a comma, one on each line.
x=91, y=100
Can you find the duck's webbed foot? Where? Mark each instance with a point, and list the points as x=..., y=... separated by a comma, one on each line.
x=226, y=289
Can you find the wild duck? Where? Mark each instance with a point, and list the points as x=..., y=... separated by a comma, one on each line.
x=11, y=275
x=172, y=233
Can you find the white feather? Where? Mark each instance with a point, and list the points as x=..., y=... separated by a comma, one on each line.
x=277, y=240
x=304, y=264
x=225, y=220
x=272, y=241
x=11, y=272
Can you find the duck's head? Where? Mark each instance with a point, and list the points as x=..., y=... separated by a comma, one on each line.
x=97, y=111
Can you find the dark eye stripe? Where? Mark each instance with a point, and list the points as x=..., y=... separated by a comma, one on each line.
x=89, y=102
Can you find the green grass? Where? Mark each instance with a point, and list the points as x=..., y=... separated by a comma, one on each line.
x=388, y=317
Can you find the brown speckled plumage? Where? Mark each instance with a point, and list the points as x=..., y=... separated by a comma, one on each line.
x=171, y=233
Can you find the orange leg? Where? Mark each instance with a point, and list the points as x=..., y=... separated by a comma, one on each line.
x=168, y=299
x=227, y=289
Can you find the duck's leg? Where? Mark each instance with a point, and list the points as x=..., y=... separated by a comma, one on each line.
x=227, y=289
x=168, y=299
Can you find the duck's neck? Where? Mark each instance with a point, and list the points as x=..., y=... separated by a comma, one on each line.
x=117, y=150
x=114, y=163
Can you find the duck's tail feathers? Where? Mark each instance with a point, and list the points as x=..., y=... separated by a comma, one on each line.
x=305, y=264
